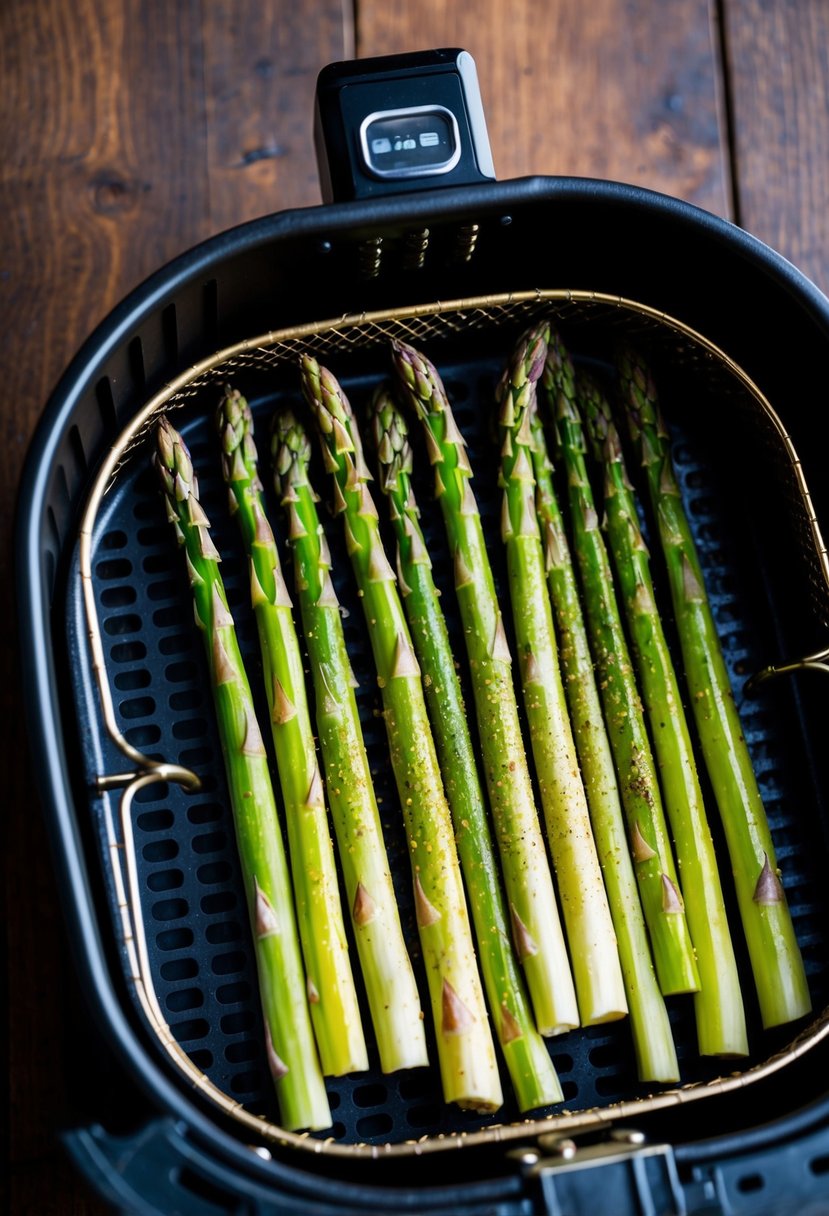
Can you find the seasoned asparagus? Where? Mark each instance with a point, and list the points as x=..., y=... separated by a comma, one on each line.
x=334, y=1009
x=595, y=958
x=651, y=1030
x=387, y=971
x=467, y=1055
x=649, y=842
x=531, y=1070
x=776, y=961
x=291, y=1052
x=534, y=917
x=720, y=1018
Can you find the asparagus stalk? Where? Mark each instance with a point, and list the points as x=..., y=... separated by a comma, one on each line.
x=595, y=958
x=291, y=1053
x=782, y=988
x=651, y=1030
x=639, y=787
x=334, y=1009
x=720, y=1018
x=469, y=1069
x=536, y=928
x=533, y=1076
x=391, y=989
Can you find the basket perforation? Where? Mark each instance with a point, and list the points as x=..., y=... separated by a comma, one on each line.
x=199, y=939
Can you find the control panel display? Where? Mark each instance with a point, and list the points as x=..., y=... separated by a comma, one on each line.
x=411, y=142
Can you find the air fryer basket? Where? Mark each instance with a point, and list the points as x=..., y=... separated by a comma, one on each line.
x=118, y=696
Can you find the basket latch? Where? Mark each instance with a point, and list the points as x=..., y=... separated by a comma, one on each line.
x=622, y=1175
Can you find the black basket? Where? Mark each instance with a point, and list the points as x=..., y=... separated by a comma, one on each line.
x=514, y=246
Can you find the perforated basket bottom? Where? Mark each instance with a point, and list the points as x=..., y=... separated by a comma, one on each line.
x=193, y=905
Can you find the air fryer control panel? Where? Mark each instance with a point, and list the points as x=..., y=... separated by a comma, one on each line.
x=400, y=123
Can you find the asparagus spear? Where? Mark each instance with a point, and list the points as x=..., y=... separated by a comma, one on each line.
x=389, y=979
x=595, y=958
x=639, y=788
x=652, y=1039
x=776, y=962
x=334, y=1009
x=721, y=1029
x=536, y=927
x=291, y=1053
x=531, y=1070
x=467, y=1055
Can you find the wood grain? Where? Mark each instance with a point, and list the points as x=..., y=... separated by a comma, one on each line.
x=261, y=66
x=778, y=61
x=610, y=89
x=129, y=130
x=99, y=192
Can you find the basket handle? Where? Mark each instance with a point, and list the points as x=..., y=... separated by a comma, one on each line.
x=819, y=661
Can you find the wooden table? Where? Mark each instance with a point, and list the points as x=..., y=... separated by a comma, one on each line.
x=131, y=129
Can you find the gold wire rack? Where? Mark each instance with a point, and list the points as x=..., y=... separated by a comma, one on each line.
x=336, y=338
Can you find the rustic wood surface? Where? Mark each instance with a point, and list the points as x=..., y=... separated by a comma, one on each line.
x=131, y=129
x=777, y=76
x=612, y=90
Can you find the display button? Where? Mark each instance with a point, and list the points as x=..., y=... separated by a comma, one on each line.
x=414, y=142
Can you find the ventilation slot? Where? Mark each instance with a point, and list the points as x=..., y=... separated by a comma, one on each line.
x=76, y=444
x=54, y=547
x=466, y=242
x=210, y=312
x=414, y=249
x=371, y=256
x=169, y=331
x=136, y=362
x=750, y=1183
x=106, y=404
